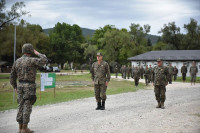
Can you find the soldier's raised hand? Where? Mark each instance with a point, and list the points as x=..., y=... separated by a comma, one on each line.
x=36, y=52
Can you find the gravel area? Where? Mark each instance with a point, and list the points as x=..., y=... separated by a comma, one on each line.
x=132, y=112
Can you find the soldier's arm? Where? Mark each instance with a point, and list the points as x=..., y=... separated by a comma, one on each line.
x=107, y=72
x=41, y=61
x=167, y=75
x=13, y=77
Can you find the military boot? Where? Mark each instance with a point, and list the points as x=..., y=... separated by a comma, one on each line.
x=98, y=106
x=103, y=105
x=20, y=128
x=159, y=105
x=162, y=105
x=25, y=129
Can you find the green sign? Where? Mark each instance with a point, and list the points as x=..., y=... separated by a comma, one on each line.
x=48, y=80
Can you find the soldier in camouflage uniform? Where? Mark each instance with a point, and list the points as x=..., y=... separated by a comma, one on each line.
x=146, y=74
x=141, y=72
x=160, y=80
x=184, y=72
x=24, y=69
x=193, y=72
x=128, y=71
x=136, y=75
x=150, y=74
x=116, y=71
x=171, y=72
x=175, y=73
x=100, y=77
x=132, y=70
x=124, y=72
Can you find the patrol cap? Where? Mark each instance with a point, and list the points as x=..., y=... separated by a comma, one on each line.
x=99, y=54
x=159, y=59
x=27, y=48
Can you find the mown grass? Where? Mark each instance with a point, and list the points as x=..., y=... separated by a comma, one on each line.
x=63, y=92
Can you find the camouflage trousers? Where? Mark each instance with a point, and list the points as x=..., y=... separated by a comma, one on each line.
x=141, y=75
x=160, y=93
x=146, y=79
x=183, y=76
x=193, y=78
x=24, y=106
x=116, y=74
x=136, y=81
x=100, y=92
x=175, y=77
x=170, y=78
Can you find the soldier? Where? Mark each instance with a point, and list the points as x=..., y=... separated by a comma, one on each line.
x=136, y=75
x=124, y=72
x=175, y=73
x=150, y=74
x=141, y=72
x=132, y=70
x=146, y=74
x=171, y=72
x=24, y=69
x=184, y=72
x=100, y=77
x=193, y=72
x=116, y=71
x=160, y=81
x=128, y=71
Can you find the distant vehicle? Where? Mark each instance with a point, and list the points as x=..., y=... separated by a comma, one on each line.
x=56, y=69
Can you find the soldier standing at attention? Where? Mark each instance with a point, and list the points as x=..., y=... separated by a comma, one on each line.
x=171, y=72
x=116, y=71
x=24, y=69
x=150, y=74
x=100, y=77
x=141, y=72
x=160, y=81
x=122, y=70
x=136, y=75
x=132, y=70
x=193, y=72
x=128, y=69
x=184, y=72
x=175, y=73
x=146, y=74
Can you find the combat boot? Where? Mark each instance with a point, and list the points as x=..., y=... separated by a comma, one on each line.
x=103, y=105
x=159, y=105
x=98, y=106
x=25, y=129
x=162, y=105
x=20, y=128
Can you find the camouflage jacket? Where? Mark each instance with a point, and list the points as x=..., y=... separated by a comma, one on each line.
x=183, y=69
x=24, y=69
x=193, y=70
x=136, y=73
x=100, y=72
x=160, y=75
x=146, y=71
x=171, y=70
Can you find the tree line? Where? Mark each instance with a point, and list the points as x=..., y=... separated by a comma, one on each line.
x=65, y=43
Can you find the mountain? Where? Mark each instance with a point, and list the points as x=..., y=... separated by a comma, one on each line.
x=86, y=32
x=89, y=32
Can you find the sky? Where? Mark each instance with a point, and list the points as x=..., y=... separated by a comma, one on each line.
x=94, y=14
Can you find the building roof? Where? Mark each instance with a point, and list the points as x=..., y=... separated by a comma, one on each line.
x=168, y=55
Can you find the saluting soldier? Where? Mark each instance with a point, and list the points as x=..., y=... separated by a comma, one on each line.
x=175, y=73
x=24, y=69
x=146, y=74
x=160, y=81
x=171, y=72
x=184, y=72
x=136, y=75
x=100, y=77
x=193, y=72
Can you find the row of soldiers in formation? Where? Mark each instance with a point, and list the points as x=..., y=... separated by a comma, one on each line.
x=147, y=72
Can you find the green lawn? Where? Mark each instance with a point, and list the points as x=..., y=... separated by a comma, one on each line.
x=64, y=92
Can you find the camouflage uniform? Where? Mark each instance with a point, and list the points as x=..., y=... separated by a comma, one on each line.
x=171, y=72
x=175, y=73
x=146, y=75
x=184, y=72
x=116, y=71
x=128, y=71
x=100, y=75
x=150, y=74
x=160, y=80
x=136, y=76
x=124, y=72
x=193, y=72
x=24, y=69
x=141, y=72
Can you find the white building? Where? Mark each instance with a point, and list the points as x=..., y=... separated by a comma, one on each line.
x=176, y=57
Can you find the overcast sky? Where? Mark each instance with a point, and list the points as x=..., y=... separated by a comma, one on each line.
x=93, y=14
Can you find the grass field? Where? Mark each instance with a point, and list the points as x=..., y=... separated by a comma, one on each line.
x=69, y=87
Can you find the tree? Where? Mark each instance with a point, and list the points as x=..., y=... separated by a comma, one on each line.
x=16, y=12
